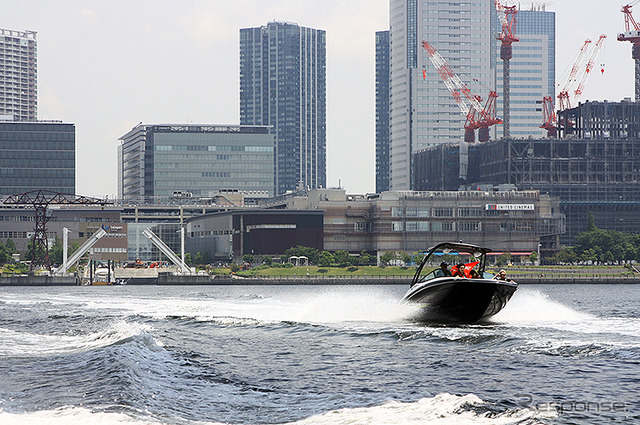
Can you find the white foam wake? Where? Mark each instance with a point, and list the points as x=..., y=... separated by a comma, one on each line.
x=26, y=344
x=322, y=307
x=443, y=409
x=534, y=306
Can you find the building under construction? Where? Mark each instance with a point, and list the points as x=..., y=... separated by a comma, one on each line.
x=605, y=120
x=594, y=168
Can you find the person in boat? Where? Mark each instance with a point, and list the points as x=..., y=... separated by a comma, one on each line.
x=474, y=274
x=502, y=275
x=444, y=268
x=459, y=270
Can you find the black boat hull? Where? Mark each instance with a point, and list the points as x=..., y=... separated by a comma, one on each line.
x=460, y=300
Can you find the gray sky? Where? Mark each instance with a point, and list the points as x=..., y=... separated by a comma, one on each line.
x=108, y=65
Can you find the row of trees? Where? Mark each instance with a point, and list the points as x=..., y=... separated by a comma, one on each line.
x=340, y=258
x=8, y=249
x=600, y=246
x=596, y=246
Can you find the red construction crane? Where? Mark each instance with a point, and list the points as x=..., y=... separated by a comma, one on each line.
x=589, y=67
x=632, y=34
x=507, y=16
x=563, y=97
x=550, y=119
x=478, y=117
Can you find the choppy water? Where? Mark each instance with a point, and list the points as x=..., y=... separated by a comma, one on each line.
x=314, y=355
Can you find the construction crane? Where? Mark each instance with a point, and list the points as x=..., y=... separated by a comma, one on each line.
x=563, y=97
x=478, y=117
x=507, y=16
x=589, y=67
x=40, y=200
x=549, y=116
x=632, y=34
x=566, y=97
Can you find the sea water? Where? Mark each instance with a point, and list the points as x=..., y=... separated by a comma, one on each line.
x=566, y=354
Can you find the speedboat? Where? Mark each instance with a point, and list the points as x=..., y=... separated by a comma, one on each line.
x=469, y=295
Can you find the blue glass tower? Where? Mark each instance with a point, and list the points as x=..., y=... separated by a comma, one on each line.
x=283, y=85
x=382, y=111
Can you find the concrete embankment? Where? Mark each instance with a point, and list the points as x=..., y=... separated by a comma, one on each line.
x=167, y=279
x=38, y=281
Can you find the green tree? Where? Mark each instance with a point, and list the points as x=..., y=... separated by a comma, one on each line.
x=11, y=247
x=365, y=259
x=267, y=260
x=405, y=257
x=326, y=259
x=589, y=255
x=187, y=259
x=608, y=257
x=387, y=258
x=31, y=250
x=566, y=256
x=342, y=258
x=5, y=257
x=247, y=258
x=303, y=251
x=202, y=258
x=56, y=251
x=503, y=259
x=591, y=223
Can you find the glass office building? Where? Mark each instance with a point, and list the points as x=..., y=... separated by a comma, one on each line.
x=198, y=160
x=283, y=84
x=533, y=72
x=18, y=75
x=37, y=155
x=382, y=111
x=423, y=112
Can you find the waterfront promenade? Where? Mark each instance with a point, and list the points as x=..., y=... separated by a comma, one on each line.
x=524, y=276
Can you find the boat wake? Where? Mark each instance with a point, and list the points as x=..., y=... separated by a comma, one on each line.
x=26, y=344
x=531, y=306
x=443, y=409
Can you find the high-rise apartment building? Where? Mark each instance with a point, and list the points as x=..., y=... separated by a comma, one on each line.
x=423, y=112
x=163, y=160
x=18, y=75
x=283, y=85
x=382, y=111
x=532, y=72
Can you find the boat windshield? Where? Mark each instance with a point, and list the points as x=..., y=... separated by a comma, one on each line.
x=467, y=261
x=432, y=275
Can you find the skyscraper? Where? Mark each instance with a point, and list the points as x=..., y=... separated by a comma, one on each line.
x=532, y=71
x=283, y=84
x=18, y=75
x=382, y=111
x=423, y=113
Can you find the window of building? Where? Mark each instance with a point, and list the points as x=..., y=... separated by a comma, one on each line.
x=362, y=226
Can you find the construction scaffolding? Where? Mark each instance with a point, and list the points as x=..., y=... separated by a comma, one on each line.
x=594, y=169
x=601, y=120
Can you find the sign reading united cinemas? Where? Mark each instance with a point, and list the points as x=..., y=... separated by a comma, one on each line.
x=510, y=207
